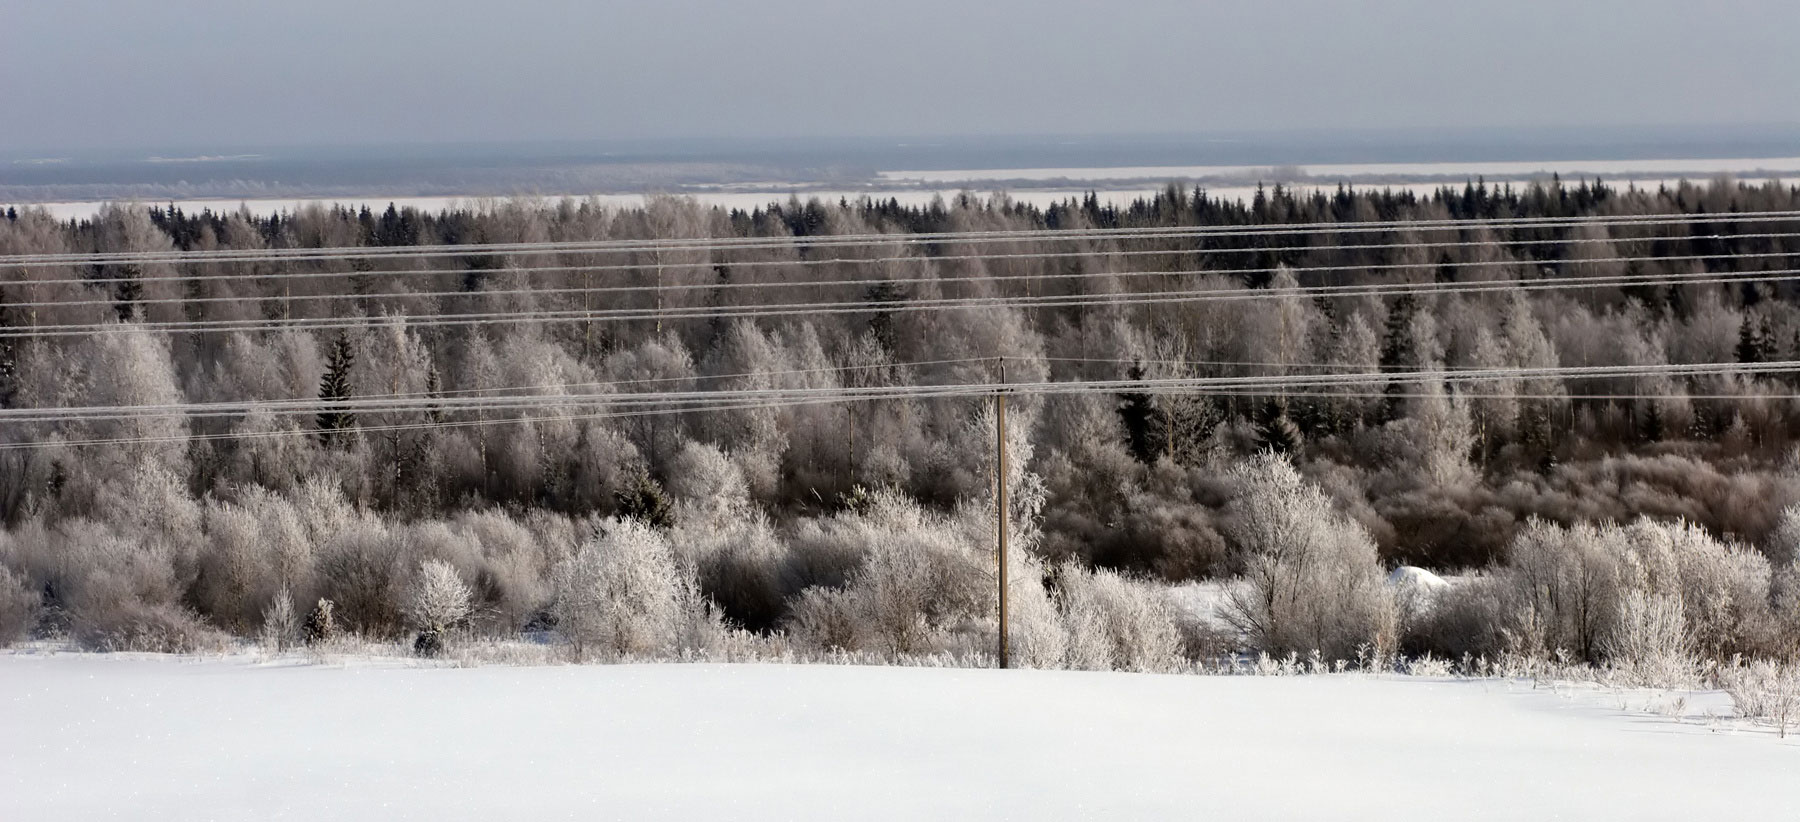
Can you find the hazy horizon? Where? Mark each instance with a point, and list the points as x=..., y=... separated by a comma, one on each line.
x=335, y=73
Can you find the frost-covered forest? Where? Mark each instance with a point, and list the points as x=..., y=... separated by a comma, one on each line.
x=429, y=448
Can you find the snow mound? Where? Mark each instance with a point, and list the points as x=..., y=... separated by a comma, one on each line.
x=1413, y=578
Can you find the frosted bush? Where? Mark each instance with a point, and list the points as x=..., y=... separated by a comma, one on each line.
x=1573, y=591
x=18, y=606
x=439, y=601
x=360, y=570
x=1312, y=581
x=1429, y=666
x=286, y=546
x=921, y=585
x=911, y=586
x=321, y=623
x=116, y=592
x=280, y=625
x=1569, y=583
x=742, y=565
x=1114, y=623
x=706, y=485
x=1649, y=642
x=825, y=619
x=1784, y=540
x=1037, y=636
x=511, y=568
x=1765, y=690
x=143, y=627
x=1724, y=588
x=624, y=594
x=235, y=579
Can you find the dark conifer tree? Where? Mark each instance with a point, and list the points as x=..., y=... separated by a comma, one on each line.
x=1137, y=410
x=127, y=291
x=1274, y=431
x=1749, y=345
x=1652, y=428
x=1398, y=353
x=646, y=502
x=334, y=387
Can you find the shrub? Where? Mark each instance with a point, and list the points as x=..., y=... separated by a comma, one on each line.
x=624, y=594
x=1115, y=623
x=1723, y=589
x=919, y=578
x=360, y=571
x=1573, y=590
x=321, y=623
x=1473, y=619
x=1568, y=584
x=439, y=601
x=1764, y=689
x=741, y=565
x=280, y=626
x=1649, y=643
x=146, y=628
x=511, y=568
x=1311, y=578
x=18, y=607
x=925, y=583
x=234, y=579
x=825, y=618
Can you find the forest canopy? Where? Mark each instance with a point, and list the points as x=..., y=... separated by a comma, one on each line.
x=259, y=424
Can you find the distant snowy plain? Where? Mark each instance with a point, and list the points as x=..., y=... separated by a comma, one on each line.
x=100, y=737
x=1042, y=187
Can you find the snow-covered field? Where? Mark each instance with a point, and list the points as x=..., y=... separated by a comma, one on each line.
x=1511, y=170
x=1108, y=194
x=86, y=736
x=740, y=199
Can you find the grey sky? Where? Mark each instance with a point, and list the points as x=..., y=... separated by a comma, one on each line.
x=83, y=73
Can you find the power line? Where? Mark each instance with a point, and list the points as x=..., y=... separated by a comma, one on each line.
x=698, y=400
x=459, y=424
x=863, y=283
x=898, y=306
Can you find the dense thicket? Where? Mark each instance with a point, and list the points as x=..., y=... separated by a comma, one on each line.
x=867, y=525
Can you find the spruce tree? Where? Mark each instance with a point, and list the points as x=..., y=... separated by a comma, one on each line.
x=646, y=502
x=334, y=388
x=1749, y=345
x=127, y=292
x=1143, y=422
x=1274, y=431
x=1652, y=429
x=1398, y=352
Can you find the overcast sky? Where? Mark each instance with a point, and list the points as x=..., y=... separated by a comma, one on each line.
x=86, y=73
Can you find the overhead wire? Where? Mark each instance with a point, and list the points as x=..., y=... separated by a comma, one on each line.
x=904, y=305
x=697, y=400
x=1297, y=270
x=643, y=403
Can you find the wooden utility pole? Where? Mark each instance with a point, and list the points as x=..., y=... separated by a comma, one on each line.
x=1002, y=510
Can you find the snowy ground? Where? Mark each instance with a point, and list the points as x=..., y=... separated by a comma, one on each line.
x=1329, y=173
x=84, y=737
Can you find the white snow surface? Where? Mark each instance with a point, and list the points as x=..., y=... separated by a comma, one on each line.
x=1414, y=578
x=1385, y=171
x=89, y=737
